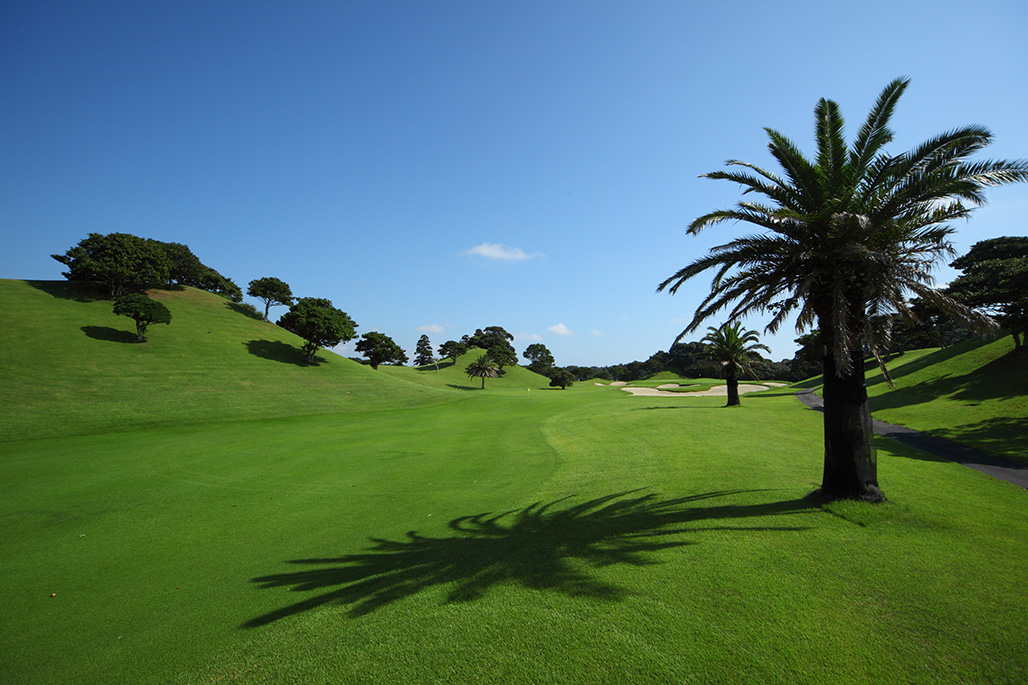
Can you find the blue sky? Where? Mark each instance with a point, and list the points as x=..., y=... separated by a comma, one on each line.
x=445, y=166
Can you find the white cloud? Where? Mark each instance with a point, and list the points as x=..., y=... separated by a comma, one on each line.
x=560, y=329
x=521, y=337
x=500, y=251
x=596, y=332
x=431, y=328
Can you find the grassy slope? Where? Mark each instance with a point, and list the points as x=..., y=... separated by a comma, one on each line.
x=67, y=355
x=629, y=540
x=974, y=392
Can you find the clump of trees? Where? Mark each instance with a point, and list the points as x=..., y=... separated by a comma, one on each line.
x=319, y=323
x=125, y=263
x=380, y=349
x=143, y=310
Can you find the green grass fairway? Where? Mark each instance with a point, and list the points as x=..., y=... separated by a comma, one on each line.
x=519, y=534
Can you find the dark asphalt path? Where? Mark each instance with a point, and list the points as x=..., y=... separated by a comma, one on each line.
x=979, y=460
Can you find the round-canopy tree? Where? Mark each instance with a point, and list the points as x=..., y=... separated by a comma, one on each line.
x=844, y=237
x=539, y=358
x=144, y=310
x=561, y=378
x=995, y=281
x=271, y=291
x=380, y=349
x=734, y=349
x=319, y=323
x=451, y=349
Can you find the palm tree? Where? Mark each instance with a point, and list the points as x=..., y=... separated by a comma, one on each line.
x=734, y=348
x=844, y=238
x=483, y=367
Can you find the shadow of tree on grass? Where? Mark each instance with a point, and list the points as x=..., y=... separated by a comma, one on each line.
x=532, y=547
x=109, y=334
x=79, y=291
x=278, y=351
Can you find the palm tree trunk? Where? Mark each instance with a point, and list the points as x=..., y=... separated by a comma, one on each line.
x=733, y=389
x=851, y=460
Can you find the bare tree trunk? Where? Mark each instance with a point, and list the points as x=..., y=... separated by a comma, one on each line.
x=733, y=388
x=851, y=460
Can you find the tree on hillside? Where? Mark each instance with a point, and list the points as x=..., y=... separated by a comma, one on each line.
x=143, y=310
x=271, y=291
x=502, y=355
x=121, y=261
x=540, y=359
x=483, y=367
x=185, y=267
x=451, y=349
x=561, y=378
x=492, y=337
x=735, y=350
x=380, y=349
x=995, y=281
x=844, y=237
x=423, y=352
x=319, y=323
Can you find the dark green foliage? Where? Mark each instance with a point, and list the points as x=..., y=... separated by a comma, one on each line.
x=186, y=267
x=380, y=349
x=423, y=352
x=561, y=378
x=502, y=355
x=844, y=238
x=120, y=261
x=492, y=337
x=451, y=349
x=995, y=281
x=319, y=323
x=144, y=310
x=271, y=291
x=539, y=357
x=483, y=367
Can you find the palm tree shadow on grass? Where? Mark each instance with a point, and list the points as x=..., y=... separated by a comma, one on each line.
x=532, y=547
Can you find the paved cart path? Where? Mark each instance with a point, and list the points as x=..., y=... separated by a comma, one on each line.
x=980, y=460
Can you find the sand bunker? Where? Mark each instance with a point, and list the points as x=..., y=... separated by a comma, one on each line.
x=716, y=391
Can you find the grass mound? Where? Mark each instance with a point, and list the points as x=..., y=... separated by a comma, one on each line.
x=975, y=392
x=67, y=355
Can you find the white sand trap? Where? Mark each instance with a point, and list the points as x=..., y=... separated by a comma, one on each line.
x=716, y=391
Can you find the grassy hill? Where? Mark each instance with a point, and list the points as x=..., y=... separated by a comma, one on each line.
x=234, y=516
x=975, y=392
x=70, y=364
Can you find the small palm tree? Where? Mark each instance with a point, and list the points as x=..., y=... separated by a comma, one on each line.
x=734, y=348
x=844, y=238
x=483, y=367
